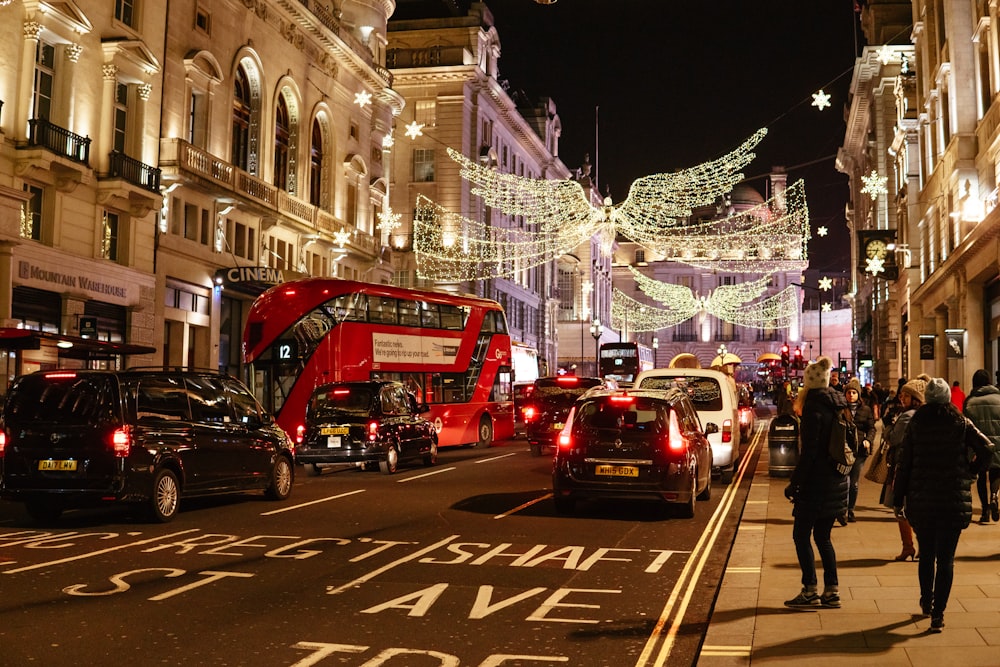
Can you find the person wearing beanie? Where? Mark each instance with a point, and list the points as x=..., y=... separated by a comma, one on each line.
x=957, y=395
x=818, y=492
x=932, y=486
x=982, y=407
x=911, y=397
x=864, y=422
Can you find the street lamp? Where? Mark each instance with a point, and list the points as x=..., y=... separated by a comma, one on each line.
x=597, y=330
x=820, y=314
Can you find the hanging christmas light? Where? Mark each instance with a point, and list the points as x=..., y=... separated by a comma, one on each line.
x=874, y=185
x=825, y=284
x=363, y=99
x=821, y=100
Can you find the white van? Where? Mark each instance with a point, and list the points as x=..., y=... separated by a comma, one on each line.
x=714, y=396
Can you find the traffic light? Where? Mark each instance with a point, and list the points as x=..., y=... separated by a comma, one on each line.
x=784, y=354
x=798, y=361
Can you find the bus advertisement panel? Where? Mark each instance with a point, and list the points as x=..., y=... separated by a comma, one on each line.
x=452, y=352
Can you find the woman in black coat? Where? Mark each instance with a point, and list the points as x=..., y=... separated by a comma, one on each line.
x=941, y=452
x=864, y=422
x=818, y=491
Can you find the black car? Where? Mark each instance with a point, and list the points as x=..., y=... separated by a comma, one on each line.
x=366, y=423
x=633, y=444
x=547, y=406
x=73, y=438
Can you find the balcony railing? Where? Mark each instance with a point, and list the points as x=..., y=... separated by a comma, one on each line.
x=59, y=140
x=134, y=172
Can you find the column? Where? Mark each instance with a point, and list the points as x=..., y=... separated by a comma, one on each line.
x=65, y=78
x=106, y=134
x=25, y=86
x=940, y=344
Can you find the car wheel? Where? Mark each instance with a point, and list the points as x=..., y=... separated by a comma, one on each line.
x=706, y=493
x=564, y=504
x=44, y=511
x=314, y=469
x=686, y=511
x=390, y=463
x=166, y=496
x=485, y=432
x=536, y=450
x=281, y=479
x=431, y=457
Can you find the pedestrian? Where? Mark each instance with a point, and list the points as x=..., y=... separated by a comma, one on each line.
x=817, y=491
x=982, y=407
x=892, y=406
x=911, y=397
x=835, y=380
x=864, y=423
x=957, y=395
x=941, y=451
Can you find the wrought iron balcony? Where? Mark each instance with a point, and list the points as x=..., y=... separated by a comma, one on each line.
x=59, y=140
x=134, y=172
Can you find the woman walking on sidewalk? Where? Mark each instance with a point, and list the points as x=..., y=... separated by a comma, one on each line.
x=864, y=422
x=941, y=452
x=982, y=406
x=818, y=491
x=911, y=397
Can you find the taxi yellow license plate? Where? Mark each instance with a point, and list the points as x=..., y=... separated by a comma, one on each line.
x=333, y=430
x=57, y=465
x=558, y=426
x=617, y=471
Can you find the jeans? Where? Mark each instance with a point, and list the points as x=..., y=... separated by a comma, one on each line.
x=818, y=529
x=852, y=494
x=936, y=568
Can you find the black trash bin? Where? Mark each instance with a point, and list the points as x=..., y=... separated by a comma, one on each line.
x=783, y=445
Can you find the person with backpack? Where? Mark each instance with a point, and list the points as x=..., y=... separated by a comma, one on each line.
x=817, y=489
x=982, y=406
x=941, y=452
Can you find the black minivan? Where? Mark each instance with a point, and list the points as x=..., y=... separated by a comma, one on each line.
x=73, y=438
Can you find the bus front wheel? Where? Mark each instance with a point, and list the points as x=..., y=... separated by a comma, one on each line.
x=485, y=432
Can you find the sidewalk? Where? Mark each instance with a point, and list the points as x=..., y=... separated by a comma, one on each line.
x=879, y=623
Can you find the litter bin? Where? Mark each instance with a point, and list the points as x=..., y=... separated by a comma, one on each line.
x=783, y=445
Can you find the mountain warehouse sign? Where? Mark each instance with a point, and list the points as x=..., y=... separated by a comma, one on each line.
x=29, y=271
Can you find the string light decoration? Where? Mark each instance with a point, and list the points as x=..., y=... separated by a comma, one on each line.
x=388, y=221
x=342, y=237
x=874, y=185
x=414, y=130
x=875, y=265
x=827, y=307
x=885, y=54
x=822, y=231
x=825, y=284
x=821, y=100
x=387, y=142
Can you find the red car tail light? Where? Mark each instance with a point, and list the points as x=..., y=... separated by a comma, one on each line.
x=60, y=375
x=565, y=438
x=622, y=399
x=121, y=441
x=300, y=433
x=3, y=442
x=529, y=413
x=570, y=380
x=727, y=430
x=676, y=442
x=372, y=431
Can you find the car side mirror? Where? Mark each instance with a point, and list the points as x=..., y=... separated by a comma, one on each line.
x=711, y=427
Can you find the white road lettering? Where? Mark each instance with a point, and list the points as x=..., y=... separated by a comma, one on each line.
x=463, y=555
x=385, y=544
x=210, y=577
x=303, y=554
x=555, y=602
x=190, y=544
x=501, y=658
x=119, y=581
x=447, y=660
x=247, y=542
x=322, y=650
x=482, y=608
x=598, y=556
x=100, y=552
x=519, y=558
x=421, y=601
x=59, y=541
x=661, y=560
x=333, y=590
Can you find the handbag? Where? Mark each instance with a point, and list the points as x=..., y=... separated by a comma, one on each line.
x=878, y=465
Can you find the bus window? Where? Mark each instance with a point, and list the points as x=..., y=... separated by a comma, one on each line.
x=503, y=385
x=453, y=387
x=429, y=316
x=409, y=315
x=451, y=317
x=382, y=309
x=351, y=307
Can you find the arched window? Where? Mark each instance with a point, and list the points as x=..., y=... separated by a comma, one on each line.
x=316, y=164
x=242, y=109
x=282, y=134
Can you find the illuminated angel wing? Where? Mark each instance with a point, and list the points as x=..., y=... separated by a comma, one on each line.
x=660, y=201
x=641, y=317
x=674, y=297
x=776, y=312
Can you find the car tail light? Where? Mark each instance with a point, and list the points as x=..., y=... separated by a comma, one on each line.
x=676, y=442
x=300, y=434
x=570, y=380
x=373, y=431
x=121, y=441
x=60, y=375
x=727, y=430
x=3, y=442
x=341, y=392
x=529, y=413
x=622, y=399
x=565, y=439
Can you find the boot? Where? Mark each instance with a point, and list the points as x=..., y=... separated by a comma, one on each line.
x=906, y=536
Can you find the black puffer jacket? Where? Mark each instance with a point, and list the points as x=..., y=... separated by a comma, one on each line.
x=933, y=472
x=982, y=406
x=817, y=486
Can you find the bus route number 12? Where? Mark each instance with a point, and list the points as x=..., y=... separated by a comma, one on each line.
x=286, y=351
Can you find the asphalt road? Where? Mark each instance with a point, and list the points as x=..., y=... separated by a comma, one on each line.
x=462, y=563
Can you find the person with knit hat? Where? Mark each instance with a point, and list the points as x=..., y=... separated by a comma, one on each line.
x=941, y=451
x=911, y=397
x=982, y=407
x=817, y=490
x=864, y=422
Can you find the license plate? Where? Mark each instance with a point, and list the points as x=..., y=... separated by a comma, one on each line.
x=333, y=430
x=558, y=427
x=617, y=471
x=333, y=441
x=57, y=465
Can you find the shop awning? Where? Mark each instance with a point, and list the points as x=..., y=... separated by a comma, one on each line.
x=69, y=347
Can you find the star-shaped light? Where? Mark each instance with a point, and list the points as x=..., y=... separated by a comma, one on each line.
x=414, y=130
x=822, y=231
x=342, y=237
x=885, y=54
x=388, y=141
x=821, y=100
x=827, y=308
x=875, y=266
x=389, y=221
x=363, y=99
x=825, y=284
x=874, y=185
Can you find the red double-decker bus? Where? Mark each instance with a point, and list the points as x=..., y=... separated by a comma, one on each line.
x=452, y=352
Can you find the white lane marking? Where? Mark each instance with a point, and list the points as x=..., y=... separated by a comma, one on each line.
x=688, y=579
x=525, y=505
x=70, y=559
x=312, y=502
x=438, y=471
x=494, y=458
x=385, y=568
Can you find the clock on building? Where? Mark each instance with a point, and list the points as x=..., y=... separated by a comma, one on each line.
x=875, y=247
x=874, y=244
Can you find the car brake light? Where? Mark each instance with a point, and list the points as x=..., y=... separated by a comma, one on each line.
x=564, y=439
x=727, y=430
x=529, y=413
x=622, y=399
x=676, y=442
x=300, y=433
x=567, y=379
x=3, y=442
x=341, y=392
x=121, y=441
x=60, y=375
x=373, y=431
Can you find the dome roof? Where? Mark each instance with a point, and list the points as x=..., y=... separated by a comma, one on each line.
x=746, y=196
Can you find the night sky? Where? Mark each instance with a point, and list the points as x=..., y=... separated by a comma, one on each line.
x=676, y=83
